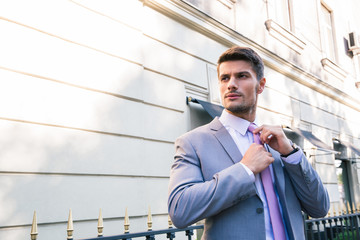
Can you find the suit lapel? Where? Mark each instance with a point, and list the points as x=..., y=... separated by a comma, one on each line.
x=228, y=144
x=225, y=140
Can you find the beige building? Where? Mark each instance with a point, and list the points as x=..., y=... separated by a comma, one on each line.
x=93, y=95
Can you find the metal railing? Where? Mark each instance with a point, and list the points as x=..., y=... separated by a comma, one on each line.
x=334, y=228
x=150, y=234
x=345, y=225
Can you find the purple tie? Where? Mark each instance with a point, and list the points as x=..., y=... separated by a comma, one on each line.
x=275, y=215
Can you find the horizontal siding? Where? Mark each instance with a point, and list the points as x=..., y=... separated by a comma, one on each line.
x=324, y=135
x=277, y=102
x=295, y=90
x=163, y=91
x=82, y=24
x=59, y=60
x=128, y=11
x=318, y=116
x=314, y=108
x=172, y=62
x=89, y=122
x=65, y=105
x=271, y=117
x=189, y=41
x=33, y=148
x=350, y=128
x=53, y=195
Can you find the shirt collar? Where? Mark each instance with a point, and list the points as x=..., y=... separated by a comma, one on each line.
x=239, y=124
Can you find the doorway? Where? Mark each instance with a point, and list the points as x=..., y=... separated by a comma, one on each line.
x=344, y=176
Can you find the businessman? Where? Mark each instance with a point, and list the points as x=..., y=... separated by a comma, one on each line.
x=246, y=179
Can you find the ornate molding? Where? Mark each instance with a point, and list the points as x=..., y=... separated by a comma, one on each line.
x=333, y=68
x=285, y=36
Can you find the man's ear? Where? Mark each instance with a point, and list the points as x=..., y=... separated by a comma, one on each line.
x=261, y=87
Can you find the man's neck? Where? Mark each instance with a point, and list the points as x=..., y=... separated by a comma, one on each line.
x=249, y=116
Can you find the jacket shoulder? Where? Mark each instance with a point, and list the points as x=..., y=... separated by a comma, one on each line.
x=202, y=130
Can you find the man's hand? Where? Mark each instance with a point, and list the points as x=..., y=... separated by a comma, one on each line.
x=275, y=137
x=256, y=158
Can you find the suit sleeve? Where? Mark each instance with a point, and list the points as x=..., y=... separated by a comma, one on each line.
x=191, y=198
x=308, y=187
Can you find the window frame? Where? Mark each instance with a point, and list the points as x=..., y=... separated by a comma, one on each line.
x=285, y=34
x=328, y=43
x=287, y=13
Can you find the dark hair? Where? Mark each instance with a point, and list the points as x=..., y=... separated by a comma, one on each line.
x=246, y=54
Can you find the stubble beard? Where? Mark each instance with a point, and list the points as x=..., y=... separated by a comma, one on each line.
x=241, y=109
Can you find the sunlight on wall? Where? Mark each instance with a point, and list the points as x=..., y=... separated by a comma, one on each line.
x=47, y=102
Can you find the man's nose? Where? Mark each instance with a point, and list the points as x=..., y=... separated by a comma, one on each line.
x=232, y=83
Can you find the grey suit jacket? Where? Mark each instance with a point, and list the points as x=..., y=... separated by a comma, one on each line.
x=207, y=182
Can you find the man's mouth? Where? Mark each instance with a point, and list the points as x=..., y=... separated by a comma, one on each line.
x=232, y=96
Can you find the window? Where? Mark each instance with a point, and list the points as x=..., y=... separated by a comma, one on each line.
x=280, y=24
x=280, y=11
x=283, y=14
x=326, y=17
x=329, y=46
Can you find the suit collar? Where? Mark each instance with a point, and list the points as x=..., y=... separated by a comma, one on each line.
x=225, y=140
x=215, y=124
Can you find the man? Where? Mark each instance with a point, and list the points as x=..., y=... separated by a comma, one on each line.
x=219, y=173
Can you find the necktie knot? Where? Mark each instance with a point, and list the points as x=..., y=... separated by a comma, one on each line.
x=252, y=127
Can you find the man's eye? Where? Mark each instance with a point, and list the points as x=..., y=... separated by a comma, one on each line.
x=224, y=78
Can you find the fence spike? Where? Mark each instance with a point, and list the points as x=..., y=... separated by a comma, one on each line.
x=348, y=208
x=334, y=210
x=34, y=231
x=149, y=221
x=339, y=207
x=353, y=207
x=126, y=222
x=344, y=208
x=100, y=224
x=170, y=222
x=70, y=226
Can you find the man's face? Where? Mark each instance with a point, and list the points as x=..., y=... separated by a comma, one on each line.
x=239, y=88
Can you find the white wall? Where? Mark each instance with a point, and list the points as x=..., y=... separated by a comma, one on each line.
x=92, y=98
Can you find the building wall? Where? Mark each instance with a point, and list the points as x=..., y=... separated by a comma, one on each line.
x=92, y=98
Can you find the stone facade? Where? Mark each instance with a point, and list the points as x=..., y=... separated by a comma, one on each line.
x=93, y=95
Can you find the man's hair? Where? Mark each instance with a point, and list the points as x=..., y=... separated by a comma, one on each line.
x=245, y=54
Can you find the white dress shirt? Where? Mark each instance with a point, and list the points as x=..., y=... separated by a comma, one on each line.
x=237, y=128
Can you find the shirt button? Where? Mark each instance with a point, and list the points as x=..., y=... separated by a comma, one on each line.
x=259, y=210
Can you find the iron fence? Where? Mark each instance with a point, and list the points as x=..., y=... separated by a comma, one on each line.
x=150, y=235
x=344, y=224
